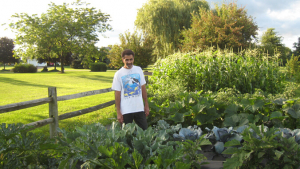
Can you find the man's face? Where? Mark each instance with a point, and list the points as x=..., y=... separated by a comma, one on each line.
x=128, y=61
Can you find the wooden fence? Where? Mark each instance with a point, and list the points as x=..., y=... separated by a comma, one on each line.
x=52, y=99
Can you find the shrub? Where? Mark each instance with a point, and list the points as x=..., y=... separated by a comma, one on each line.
x=24, y=68
x=98, y=67
x=263, y=148
x=76, y=64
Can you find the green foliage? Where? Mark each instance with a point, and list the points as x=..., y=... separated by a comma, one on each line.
x=139, y=44
x=297, y=47
x=6, y=51
x=62, y=29
x=213, y=70
x=163, y=21
x=263, y=148
x=20, y=149
x=76, y=64
x=271, y=44
x=227, y=108
x=192, y=148
x=24, y=68
x=227, y=26
x=98, y=67
x=293, y=68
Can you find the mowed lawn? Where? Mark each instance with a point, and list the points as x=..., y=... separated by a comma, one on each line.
x=20, y=87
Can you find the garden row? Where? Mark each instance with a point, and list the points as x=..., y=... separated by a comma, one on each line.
x=160, y=146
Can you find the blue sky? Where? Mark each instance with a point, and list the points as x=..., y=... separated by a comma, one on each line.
x=283, y=15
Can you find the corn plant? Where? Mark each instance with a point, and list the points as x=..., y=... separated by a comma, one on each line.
x=214, y=70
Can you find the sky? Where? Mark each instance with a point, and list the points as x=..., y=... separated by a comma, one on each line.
x=283, y=15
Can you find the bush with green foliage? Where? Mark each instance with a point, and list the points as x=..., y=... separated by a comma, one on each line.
x=214, y=70
x=24, y=68
x=76, y=64
x=98, y=67
x=263, y=148
x=120, y=147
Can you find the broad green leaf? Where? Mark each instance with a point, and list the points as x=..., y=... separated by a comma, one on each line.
x=105, y=151
x=254, y=118
x=231, y=120
x=279, y=101
x=260, y=154
x=232, y=143
x=294, y=113
x=231, y=109
x=276, y=115
x=231, y=150
x=278, y=154
x=232, y=163
x=183, y=165
x=178, y=117
x=198, y=108
x=204, y=141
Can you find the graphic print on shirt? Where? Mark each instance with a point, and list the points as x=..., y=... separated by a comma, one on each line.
x=131, y=84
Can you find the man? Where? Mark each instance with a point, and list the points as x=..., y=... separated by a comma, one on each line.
x=130, y=92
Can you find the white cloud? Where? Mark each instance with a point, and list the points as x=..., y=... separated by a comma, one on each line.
x=291, y=14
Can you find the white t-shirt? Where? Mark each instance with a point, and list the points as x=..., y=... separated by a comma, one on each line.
x=129, y=82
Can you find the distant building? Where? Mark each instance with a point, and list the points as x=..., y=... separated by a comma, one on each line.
x=35, y=62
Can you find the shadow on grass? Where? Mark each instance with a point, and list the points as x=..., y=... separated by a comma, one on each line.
x=98, y=78
x=21, y=83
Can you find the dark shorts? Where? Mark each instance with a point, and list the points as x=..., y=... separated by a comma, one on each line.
x=138, y=117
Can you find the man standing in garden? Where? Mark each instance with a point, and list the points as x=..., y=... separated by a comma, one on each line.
x=130, y=92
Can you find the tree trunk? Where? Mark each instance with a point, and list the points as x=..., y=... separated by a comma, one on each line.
x=62, y=64
x=4, y=66
x=54, y=64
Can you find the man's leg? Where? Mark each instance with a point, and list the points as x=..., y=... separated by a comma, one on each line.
x=141, y=120
x=128, y=118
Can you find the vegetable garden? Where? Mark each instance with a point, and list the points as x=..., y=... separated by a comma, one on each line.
x=240, y=104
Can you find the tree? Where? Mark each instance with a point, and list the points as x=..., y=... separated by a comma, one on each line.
x=6, y=51
x=163, y=20
x=271, y=44
x=63, y=29
x=228, y=26
x=297, y=48
x=140, y=45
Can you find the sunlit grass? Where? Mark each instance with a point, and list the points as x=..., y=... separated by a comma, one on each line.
x=19, y=87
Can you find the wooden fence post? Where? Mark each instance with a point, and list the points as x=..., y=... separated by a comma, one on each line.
x=53, y=111
x=146, y=77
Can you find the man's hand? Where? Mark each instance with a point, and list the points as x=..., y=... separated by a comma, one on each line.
x=120, y=117
x=146, y=109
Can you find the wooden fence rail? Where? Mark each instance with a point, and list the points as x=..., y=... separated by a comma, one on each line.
x=52, y=99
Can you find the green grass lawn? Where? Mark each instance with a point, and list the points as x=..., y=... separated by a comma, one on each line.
x=19, y=87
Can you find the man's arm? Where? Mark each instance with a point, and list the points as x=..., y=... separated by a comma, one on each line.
x=117, y=103
x=145, y=98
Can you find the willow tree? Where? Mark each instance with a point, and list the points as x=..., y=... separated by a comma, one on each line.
x=227, y=26
x=62, y=30
x=163, y=20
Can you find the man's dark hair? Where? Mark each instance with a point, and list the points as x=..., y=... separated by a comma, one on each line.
x=127, y=52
